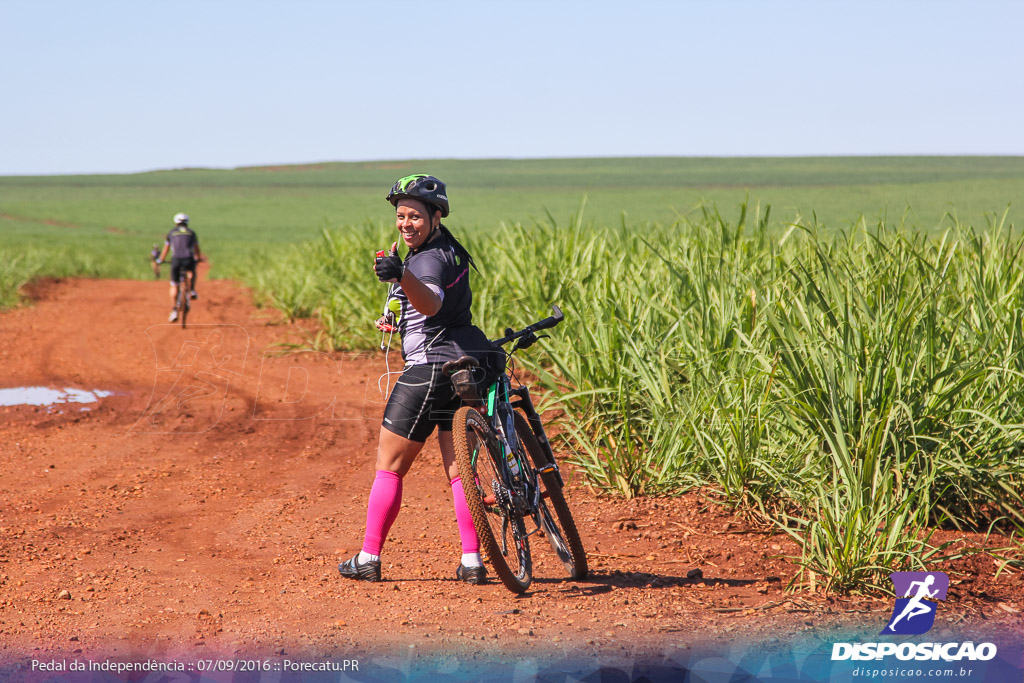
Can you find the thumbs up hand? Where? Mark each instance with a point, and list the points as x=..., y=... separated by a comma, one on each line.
x=389, y=268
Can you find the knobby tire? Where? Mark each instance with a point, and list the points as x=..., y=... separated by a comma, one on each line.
x=478, y=459
x=560, y=528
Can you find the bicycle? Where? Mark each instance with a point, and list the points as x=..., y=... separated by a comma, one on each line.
x=504, y=488
x=182, y=305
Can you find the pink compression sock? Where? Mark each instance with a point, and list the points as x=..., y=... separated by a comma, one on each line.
x=382, y=509
x=470, y=543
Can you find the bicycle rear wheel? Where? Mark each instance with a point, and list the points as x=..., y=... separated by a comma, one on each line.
x=560, y=527
x=182, y=303
x=502, y=533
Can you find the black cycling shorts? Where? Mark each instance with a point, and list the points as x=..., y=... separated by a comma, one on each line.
x=422, y=399
x=181, y=264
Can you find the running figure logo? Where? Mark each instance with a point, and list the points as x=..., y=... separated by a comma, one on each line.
x=914, y=613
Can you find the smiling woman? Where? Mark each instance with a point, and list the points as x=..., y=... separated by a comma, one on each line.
x=416, y=225
x=431, y=288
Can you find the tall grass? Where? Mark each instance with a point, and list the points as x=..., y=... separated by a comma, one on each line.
x=330, y=279
x=854, y=388
x=19, y=266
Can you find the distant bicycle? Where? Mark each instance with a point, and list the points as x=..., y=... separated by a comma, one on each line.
x=182, y=302
x=501, y=448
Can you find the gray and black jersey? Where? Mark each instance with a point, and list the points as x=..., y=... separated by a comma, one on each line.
x=449, y=333
x=183, y=241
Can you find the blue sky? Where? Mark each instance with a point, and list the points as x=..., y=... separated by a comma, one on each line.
x=131, y=86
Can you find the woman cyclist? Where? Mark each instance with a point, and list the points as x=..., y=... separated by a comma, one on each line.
x=432, y=286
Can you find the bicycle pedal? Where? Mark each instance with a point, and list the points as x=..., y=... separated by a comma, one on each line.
x=547, y=468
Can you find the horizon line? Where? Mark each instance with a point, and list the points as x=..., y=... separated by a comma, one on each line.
x=336, y=162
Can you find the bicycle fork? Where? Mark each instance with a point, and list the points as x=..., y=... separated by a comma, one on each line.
x=525, y=404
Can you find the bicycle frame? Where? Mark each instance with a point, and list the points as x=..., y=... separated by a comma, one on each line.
x=499, y=408
x=502, y=449
x=499, y=414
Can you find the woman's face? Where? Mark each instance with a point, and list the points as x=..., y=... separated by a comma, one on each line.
x=413, y=222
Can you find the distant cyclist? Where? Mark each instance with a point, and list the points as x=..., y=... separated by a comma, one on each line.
x=183, y=244
x=154, y=258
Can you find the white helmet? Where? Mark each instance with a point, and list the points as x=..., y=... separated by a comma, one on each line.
x=180, y=218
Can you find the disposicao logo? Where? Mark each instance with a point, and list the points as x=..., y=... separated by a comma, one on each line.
x=914, y=613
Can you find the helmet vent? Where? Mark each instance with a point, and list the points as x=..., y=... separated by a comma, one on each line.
x=425, y=188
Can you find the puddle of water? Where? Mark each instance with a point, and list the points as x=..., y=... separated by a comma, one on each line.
x=46, y=396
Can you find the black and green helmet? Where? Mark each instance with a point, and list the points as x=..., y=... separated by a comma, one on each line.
x=425, y=188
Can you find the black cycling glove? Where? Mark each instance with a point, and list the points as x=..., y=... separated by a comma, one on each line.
x=389, y=268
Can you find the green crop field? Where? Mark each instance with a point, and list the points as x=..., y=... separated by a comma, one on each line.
x=835, y=346
x=268, y=200
x=104, y=225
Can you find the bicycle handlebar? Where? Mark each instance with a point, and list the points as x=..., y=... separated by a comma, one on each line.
x=544, y=324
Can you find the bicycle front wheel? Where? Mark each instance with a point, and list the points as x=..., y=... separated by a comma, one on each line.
x=501, y=532
x=559, y=527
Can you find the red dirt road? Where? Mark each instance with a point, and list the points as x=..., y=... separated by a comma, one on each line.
x=201, y=511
